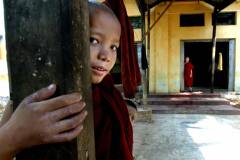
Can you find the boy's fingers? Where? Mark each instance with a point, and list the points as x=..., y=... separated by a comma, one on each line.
x=67, y=136
x=70, y=123
x=41, y=94
x=66, y=111
x=59, y=102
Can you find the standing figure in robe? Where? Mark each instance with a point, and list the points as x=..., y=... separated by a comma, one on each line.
x=188, y=74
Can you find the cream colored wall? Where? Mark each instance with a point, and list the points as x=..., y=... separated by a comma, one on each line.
x=167, y=35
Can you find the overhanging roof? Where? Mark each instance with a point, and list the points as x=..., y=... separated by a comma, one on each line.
x=219, y=4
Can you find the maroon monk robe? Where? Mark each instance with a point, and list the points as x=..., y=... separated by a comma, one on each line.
x=113, y=130
x=188, y=74
x=130, y=72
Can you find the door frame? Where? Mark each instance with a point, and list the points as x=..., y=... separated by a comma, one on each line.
x=231, y=70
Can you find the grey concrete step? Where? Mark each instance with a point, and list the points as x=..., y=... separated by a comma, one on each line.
x=195, y=109
x=185, y=94
x=188, y=101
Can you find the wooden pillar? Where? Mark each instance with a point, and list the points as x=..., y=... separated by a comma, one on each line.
x=148, y=42
x=214, y=42
x=144, y=71
x=47, y=42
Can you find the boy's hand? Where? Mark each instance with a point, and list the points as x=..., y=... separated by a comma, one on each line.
x=40, y=121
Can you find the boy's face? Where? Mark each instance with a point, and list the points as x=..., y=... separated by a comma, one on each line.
x=105, y=33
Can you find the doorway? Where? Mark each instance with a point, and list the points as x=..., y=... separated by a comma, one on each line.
x=200, y=53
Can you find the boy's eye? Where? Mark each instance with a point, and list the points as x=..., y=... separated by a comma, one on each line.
x=114, y=48
x=93, y=40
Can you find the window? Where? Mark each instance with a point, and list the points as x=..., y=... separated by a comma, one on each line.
x=190, y=20
x=136, y=21
x=226, y=18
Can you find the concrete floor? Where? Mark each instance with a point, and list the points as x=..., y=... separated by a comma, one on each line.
x=188, y=137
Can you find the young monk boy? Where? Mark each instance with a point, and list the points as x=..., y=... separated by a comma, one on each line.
x=113, y=129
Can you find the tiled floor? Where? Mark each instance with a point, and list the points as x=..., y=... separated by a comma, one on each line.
x=188, y=137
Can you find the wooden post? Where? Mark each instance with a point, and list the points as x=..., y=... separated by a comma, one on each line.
x=144, y=71
x=148, y=44
x=214, y=42
x=47, y=42
x=79, y=19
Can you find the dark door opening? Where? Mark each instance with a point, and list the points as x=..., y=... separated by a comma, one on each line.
x=200, y=54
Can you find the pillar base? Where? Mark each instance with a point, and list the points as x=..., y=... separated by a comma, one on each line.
x=144, y=115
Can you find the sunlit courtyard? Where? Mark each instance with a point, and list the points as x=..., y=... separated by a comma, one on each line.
x=188, y=137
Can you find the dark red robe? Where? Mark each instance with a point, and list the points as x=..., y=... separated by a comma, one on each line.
x=113, y=130
x=130, y=72
x=188, y=79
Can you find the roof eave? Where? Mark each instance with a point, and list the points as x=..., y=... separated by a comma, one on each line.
x=219, y=4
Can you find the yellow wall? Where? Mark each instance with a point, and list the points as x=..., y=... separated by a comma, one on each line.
x=167, y=35
x=132, y=8
x=3, y=63
x=2, y=51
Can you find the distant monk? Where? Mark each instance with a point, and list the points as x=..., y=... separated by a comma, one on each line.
x=188, y=74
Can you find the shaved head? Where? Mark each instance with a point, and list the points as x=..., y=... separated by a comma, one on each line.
x=96, y=7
